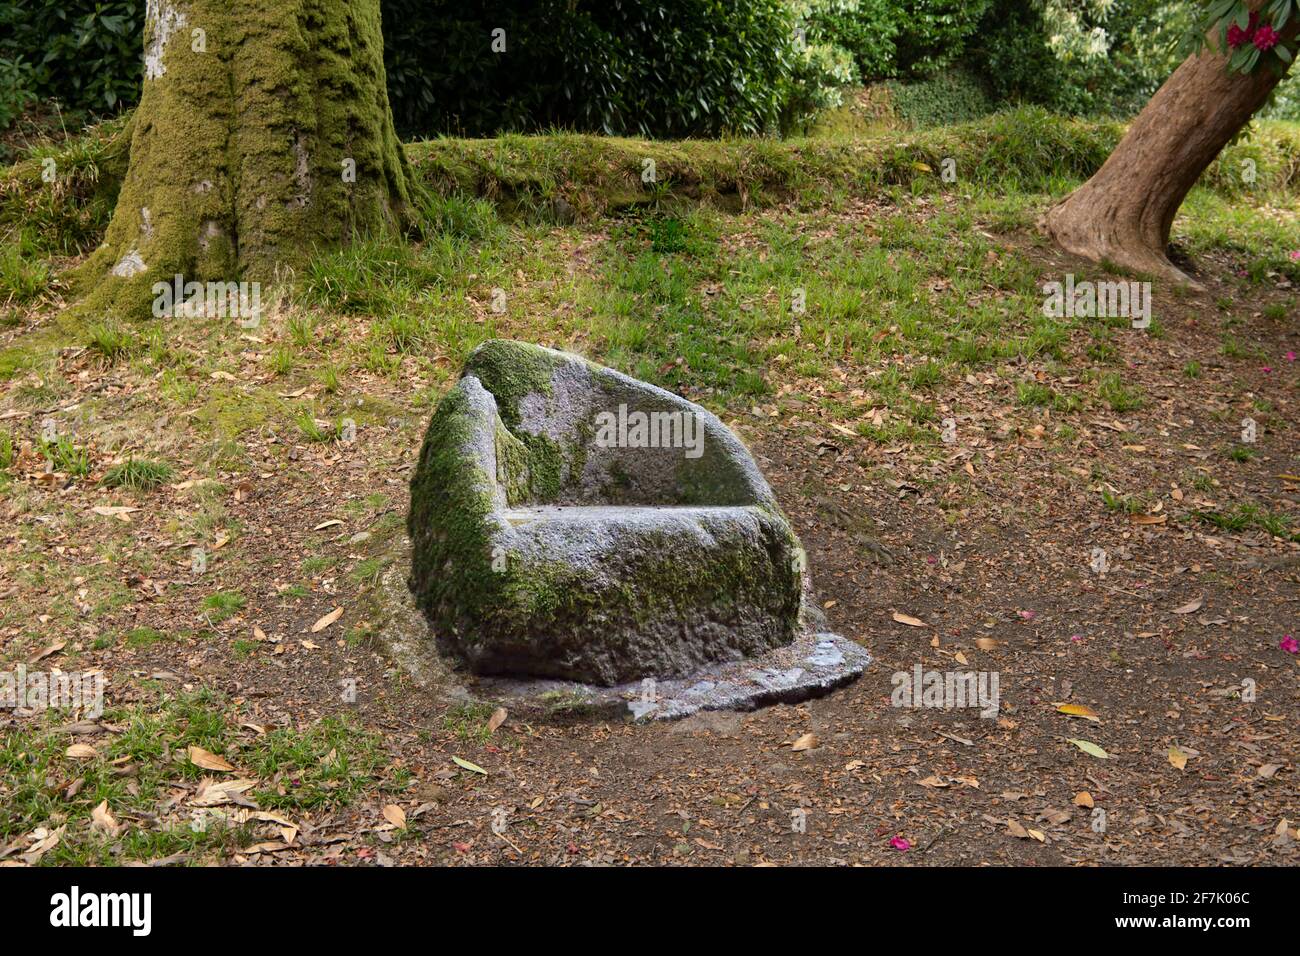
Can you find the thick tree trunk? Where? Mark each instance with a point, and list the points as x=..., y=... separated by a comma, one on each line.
x=1123, y=214
x=263, y=130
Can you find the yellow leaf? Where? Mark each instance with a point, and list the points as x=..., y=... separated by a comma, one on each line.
x=1177, y=758
x=1078, y=710
x=472, y=767
x=909, y=620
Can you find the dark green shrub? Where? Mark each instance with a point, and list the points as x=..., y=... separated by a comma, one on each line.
x=673, y=68
x=865, y=29
x=17, y=88
x=87, y=54
x=933, y=34
x=951, y=97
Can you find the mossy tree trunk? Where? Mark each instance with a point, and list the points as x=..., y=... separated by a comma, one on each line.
x=1123, y=214
x=263, y=131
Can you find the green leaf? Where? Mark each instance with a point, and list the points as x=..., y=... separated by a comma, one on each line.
x=472, y=767
x=1088, y=747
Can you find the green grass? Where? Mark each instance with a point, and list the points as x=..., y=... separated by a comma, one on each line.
x=1118, y=395
x=223, y=605
x=326, y=765
x=1245, y=517
x=469, y=722
x=1124, y=504
x=137, y=474
x=64, y=456
x=22, y=276
x=141, y=637
x=111, y=341
x=312, y=430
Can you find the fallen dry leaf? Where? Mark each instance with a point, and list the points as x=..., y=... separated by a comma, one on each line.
x=395, y=815
x=909, y=620
x=327, y=620
x=208, y=760
x=214, y=793
x=806, y=742
x=102, y=821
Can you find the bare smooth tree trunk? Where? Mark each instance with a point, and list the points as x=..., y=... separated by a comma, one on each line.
x=1123, y=214
x=263, y=130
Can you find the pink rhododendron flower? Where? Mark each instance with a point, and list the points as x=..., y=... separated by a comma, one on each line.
x=1294, y=254
x=1239, y=37
x=1289, y=644
x=899, y=844
x=1265, y=38
x=1290, y=356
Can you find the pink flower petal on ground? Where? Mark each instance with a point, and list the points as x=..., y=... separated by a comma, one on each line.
x=1290, y=356
x=899, y=844
x=1289, y=644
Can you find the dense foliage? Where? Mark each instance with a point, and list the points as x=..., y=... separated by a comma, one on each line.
x=680, y=68
x=672, y=68
x=84, y=53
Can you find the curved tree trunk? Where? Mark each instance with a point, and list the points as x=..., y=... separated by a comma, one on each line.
x=1123, y=214
x=263, y=130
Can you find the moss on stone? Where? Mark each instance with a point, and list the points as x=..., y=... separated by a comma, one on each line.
x=452, y=572
x=638, y=596
x=511, y=371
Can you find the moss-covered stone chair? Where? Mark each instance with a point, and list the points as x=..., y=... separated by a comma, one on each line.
x=568, y=521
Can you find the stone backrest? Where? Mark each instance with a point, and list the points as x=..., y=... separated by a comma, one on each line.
x=569, y=432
